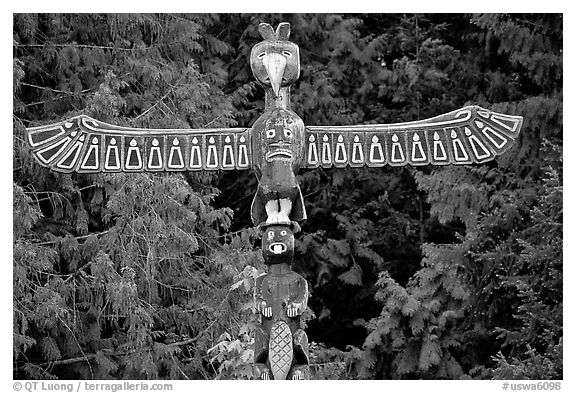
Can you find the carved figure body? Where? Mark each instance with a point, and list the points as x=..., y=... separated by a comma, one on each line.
x=278, y=145
x=281, y=296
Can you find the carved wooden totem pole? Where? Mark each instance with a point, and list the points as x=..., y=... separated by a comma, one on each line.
x=276, y=146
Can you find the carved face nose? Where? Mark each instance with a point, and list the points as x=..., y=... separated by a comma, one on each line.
x=275, y=64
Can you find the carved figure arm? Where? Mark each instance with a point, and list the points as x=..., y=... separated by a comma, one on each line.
x=261, y=302
x=299, y=302
x=82, y=144
x=465, y=136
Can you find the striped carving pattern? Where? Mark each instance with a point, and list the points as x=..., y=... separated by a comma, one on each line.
x=85, y=145
x=465, y=136
x=281, y=351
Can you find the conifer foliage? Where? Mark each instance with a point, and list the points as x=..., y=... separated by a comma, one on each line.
x=119, y=275
x=440, y=273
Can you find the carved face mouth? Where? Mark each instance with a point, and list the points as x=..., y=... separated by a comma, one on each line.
x=277, y=248
x=279, y=154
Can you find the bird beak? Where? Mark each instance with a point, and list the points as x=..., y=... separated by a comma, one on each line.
x=275, y=64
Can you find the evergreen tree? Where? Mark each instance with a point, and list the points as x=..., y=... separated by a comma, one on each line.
x=490, y=304
x=125, y=275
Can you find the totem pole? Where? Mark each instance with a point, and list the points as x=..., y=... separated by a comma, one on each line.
x=275, y=147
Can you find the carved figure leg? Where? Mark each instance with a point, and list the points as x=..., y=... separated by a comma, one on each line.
x=261, y=340
x=262, y=371
x=301, y=352
x=285, y=209
x=272, y=211
x=300, y=372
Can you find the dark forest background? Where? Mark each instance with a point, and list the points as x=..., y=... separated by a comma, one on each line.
x=414, y=273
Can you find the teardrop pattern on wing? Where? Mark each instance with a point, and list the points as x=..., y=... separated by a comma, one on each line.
x=465, y=136
x=85, y=145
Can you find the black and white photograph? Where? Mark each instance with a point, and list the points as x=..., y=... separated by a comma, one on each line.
x=287, y=196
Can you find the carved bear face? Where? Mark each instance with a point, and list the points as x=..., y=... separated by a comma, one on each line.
x=277, y=244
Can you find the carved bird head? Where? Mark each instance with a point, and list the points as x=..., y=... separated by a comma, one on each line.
x=275, y=61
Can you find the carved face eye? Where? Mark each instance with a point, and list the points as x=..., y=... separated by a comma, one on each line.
x=271, y=133
x=288, y=133
x=283, y=233
x=287, y=53
x=261, y=55
x=270, y=235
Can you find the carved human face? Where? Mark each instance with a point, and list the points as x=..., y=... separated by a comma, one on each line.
x=275, y=64
x=277, y=244
x=282, y=136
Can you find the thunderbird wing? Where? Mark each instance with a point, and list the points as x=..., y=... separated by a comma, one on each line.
x=85, y=145
x=465, y=136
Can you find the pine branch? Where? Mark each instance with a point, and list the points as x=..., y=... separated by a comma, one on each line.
x=52, y=90
x=75, y=45
x=91, y=356
x=45, y=101
x=161, y=99
x=318, y=365
x=79, y=346
x=67, y=361
x=77, y=238
x=77, y=272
